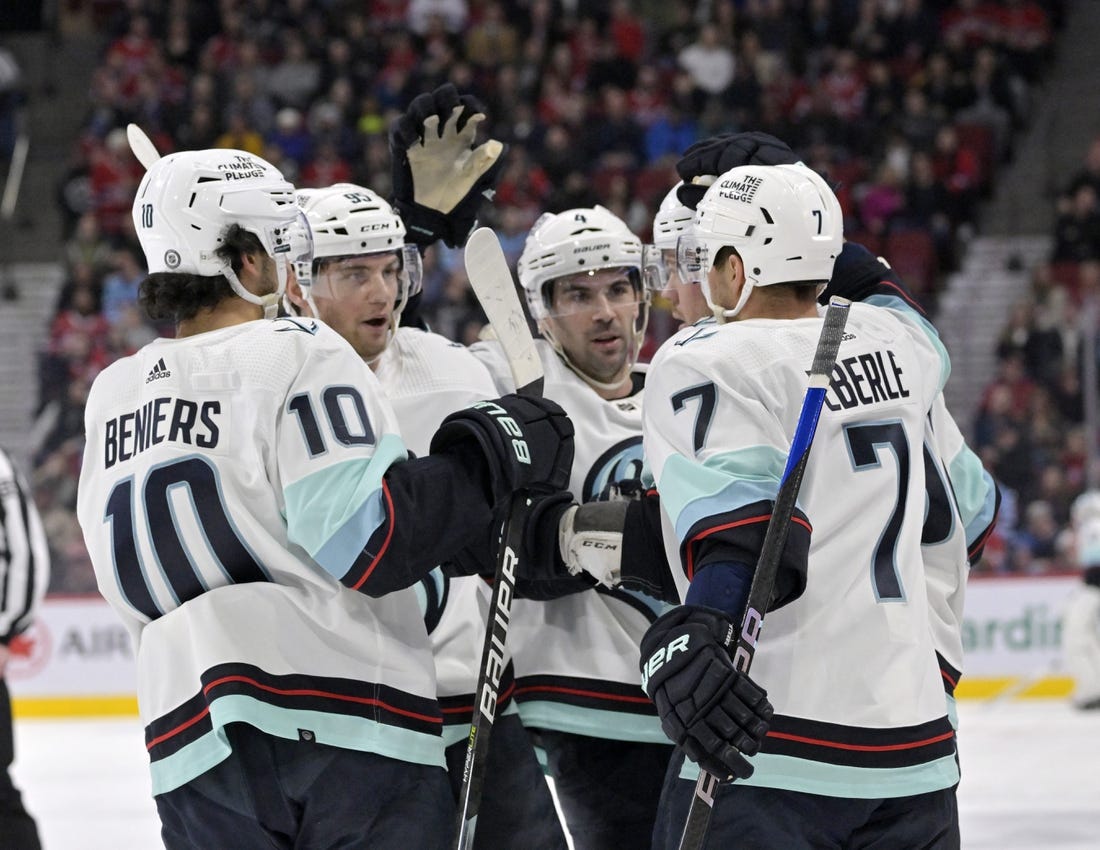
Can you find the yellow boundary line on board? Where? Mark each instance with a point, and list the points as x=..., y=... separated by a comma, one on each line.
x=125, y=705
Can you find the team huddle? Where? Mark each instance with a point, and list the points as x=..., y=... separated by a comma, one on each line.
x=295, y=504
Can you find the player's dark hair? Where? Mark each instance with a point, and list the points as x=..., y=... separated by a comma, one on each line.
x=802, y=290
x=177, y=297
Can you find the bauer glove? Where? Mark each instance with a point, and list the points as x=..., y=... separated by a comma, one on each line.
x=440, y=177
x=526, y=442
x=716, y=714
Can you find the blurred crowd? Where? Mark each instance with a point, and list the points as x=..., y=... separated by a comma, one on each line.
x=1031, y=426
x=909, y=107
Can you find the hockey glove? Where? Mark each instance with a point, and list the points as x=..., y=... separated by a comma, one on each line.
x=713, y=712
x=858, y=274
x=439, y=177
x=590, y=538
x=705, y=160
x=527, y=442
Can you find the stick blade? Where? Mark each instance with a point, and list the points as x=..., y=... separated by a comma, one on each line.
x=141, y=145
x=492, y=282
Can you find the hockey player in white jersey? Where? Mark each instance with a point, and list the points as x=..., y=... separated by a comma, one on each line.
x=575, y=656
x=1081, y=621
x=246, y=502
x=859, y=749
x=363, y=274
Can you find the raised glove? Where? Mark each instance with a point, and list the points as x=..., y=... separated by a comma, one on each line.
x=708, y=708
x=527, y=442
x=706, y=159
x=439, y=177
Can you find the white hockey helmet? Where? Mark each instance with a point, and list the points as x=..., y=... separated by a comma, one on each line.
x=1085, y=515
x=783, y=220
x=577, y=240
x=586, y=239
x=672, y=219
x=349, y=221
x=187, y=200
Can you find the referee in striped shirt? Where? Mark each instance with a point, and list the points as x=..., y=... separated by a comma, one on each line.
x=24, y=574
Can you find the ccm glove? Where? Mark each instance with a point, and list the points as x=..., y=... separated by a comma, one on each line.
x=712, y=711
x=527, y=442
x=439, y=177
x=706, y=159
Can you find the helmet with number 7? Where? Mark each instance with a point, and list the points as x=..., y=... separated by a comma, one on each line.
x=783, y=220
x=187, y=200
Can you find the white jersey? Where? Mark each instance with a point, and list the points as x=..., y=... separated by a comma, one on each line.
x=230, y=483
x=961, y=508
x=576, y=657
x=849, y=665
x=427, y=377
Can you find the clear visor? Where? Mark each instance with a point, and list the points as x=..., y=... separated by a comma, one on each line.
x=599, y=289
x=692, y=259
x=301, y=251
x=656, y=269
x=396, y=274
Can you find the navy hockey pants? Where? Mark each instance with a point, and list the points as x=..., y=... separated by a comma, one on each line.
x=517, y=811
x=751, y=818
x=17, y=829
x=608, y=790
x=277, y=794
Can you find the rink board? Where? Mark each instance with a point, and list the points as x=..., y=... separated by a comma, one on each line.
x=77, y=660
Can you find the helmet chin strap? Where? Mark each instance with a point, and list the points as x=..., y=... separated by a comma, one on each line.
x=723, y=314
x=269, y=302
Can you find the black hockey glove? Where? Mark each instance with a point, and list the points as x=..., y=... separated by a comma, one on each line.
x=439, y=177
x=706, y=706
x=858, y=274
x=527, y=442
x=718, y=154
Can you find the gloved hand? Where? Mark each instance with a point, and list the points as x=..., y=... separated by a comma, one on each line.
x=439, y=177
x=590, y=539
x=858, y=274
x=526, y=441
x=708, y=708
x=705, y=160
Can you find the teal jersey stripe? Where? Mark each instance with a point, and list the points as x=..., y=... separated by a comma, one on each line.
x=349, y=733
x=593, y=722
x=899, y=305
x=333, y=512
x=830, y=780
x=691, y=491
x=974, y=491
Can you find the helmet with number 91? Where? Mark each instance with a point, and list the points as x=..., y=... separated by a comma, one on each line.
x=187, y=200
x=579, y=241
x=783, y=220
x=351, y=221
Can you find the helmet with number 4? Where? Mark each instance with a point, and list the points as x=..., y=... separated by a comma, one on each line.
x=575, y=241
x=783, y=220
x=349, y=221
x=187, y=200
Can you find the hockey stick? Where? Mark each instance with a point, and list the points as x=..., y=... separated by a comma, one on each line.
x=775, y=538
x=492, y=283
x=141, y=145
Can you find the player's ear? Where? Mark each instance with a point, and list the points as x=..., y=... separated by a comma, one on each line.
x=297, y=297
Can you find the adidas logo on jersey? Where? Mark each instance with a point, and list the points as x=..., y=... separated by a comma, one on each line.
x=158, y=371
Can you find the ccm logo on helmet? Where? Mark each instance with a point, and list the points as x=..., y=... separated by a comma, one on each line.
x=510, y=427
